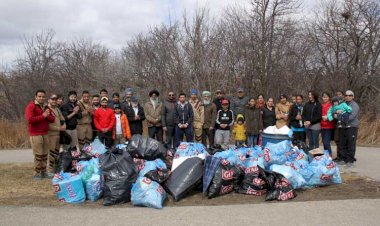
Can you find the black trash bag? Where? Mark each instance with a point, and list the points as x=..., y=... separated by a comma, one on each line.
x=254, y=182
x=64, y=138
x=119, y=174
x=279, y=188
x=227, y=178
x=184, y=178
x=146, y=148
x=214, y=149
x=301, y=145
x=160, y=176
x=139, y=164
x=67, y=160
x=169, y=157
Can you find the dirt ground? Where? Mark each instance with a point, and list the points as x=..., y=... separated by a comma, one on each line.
x=17, y=188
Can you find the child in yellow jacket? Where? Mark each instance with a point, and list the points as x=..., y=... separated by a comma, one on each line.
x=239, y=131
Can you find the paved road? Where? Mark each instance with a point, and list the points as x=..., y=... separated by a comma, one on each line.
x=367, y=164
x=345, y=212
x=341, y=212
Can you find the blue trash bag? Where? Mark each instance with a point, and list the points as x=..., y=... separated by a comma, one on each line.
x=276, y=153
x=295, y=155
x=302, y=167
x=325, y=171
x=254, y=162
x=92, y=179
x=187, y=149
x=95, y=149
x=233, y=156
x=295, y=179
x=69, y=188
x=146, y=192
x=157, y=164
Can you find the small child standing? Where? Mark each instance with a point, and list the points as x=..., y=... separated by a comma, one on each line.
x=342, y=115
x=239, y=131
x=121, y=131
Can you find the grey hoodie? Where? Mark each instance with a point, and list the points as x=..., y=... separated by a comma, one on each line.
x=353, y=119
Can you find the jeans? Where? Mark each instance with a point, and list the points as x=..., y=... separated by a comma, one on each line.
x=155, y=132
x=208, y=134
x=169, y=136
x=252, y=140
x=313, y=137
x=347, y=143
x=222, y=137
x=188, y=132
x=326, y=139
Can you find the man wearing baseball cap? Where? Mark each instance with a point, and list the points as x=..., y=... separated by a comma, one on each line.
x=348, y=134
x=239, y=102
x=104, y=120
x=224, y=121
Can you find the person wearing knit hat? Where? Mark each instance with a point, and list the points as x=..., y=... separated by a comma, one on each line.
x=152, y=110
x=127, y=99
x=198, y=111
x=72, y=113
x=209, y=116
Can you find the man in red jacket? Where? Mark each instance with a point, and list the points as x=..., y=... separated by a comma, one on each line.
x=39, y=115
x=104, y=120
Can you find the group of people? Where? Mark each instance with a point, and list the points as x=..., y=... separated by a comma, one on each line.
x=199, y=118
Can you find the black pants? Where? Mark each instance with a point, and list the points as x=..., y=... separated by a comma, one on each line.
x=301, y=136
x=155, y=132
x=347, y=143
x=208, y=134
x=106, y=138
x=169, y=136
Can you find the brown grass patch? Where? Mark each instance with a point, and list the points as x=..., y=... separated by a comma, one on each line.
x=18, y=188
x=13, y=134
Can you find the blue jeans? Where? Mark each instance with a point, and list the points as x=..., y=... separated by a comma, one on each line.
x=326, y=139
x=252, y=140
x=313, y=137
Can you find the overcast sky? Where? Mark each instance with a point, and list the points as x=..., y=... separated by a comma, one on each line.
x=110, y=22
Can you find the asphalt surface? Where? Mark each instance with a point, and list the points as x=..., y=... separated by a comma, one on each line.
x=340, y=212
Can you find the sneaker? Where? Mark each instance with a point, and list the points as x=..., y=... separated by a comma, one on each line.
x=339, y=124
x=46, y=175
x=37, y=176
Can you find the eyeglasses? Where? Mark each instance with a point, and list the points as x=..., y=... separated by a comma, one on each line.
x=348, y=95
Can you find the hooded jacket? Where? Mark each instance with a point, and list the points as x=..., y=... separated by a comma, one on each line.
x=239, y=130
x=253, y=120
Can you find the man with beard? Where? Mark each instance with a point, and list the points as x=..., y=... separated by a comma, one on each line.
x=127, y=99
x=104, y=120
x=85, y=123
x=167, y=118
x=209, y=116
x=136, y=115
x=95, y=105
x=183, y=120
x=115, y=100
x=218, y=99
x=152, y=111
x=71, y=112
x=198, y=111
x=239, y=102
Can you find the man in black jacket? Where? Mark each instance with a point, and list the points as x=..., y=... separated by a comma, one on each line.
x=167, y=118
x=312, y=116
x=183, y=120
x=135, y=114
x=295, y=119
x=71, y=112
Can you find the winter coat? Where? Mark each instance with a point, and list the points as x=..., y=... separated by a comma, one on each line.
x=55, y=127
x=353, y=118
x=198, y=112
x=104, y=119
x=183, y=115
x=253, y=120
x=294, y=111
x=86, y=116
x=239, y=132
x=342, y=106
x=312, y=111
x=152, y=113
x=66, y=110
x=238, y=105
x=209, y=115
x=37, y=123
x=167, y=113
x=282, y=110
x=124, y=127
x=136, y=126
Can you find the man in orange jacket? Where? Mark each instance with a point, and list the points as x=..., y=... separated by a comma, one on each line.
x=121, y=131
x=104, y=120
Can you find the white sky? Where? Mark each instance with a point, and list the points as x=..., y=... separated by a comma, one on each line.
x=110, y=22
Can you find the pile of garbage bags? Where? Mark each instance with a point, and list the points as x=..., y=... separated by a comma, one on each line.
x=144, y=172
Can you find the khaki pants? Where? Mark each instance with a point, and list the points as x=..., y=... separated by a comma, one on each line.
x=74, y=138
x=119, y=139
x=53, y=152
x=84, y=134
x=40, y=145
x=198, y=134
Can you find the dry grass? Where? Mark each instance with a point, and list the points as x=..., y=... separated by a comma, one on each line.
x=13, y=134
